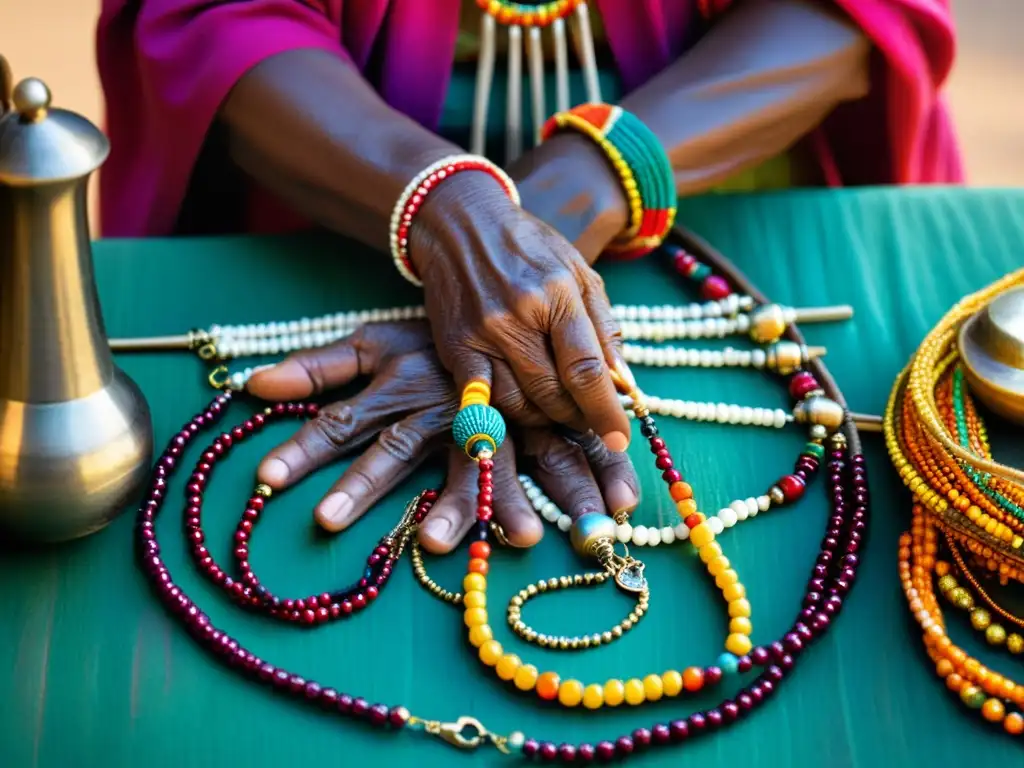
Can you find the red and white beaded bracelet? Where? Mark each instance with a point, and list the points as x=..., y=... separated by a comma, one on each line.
x=413, y=196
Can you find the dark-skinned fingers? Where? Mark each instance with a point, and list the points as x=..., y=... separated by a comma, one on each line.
x=454, y=513
x=341, y=427
x=512, y=510
x=529, y=357
x=509, y=398
x=399, y=449
x=614, y=471
x=609, y=334
x=309, y=372
x=584, y=371
x=560, y=468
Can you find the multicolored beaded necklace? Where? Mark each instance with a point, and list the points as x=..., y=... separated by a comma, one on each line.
x=962, y=499
x=833, y=574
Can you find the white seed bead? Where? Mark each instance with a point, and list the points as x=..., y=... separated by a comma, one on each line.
x=716, y=525
x=653, y=537
x=763, y=502
x=682, y=531
x=668, y=534
x=624, y=532
x=564, y=523
x=727, y=516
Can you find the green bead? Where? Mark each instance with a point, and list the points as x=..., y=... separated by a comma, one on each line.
x=817, y=450
x=478, y=420
x=980, y=619
x=947, y=583
x=972, y=696
x=995, y=634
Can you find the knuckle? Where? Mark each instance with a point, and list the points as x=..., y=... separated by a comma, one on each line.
x=402, y=441
x=558, y=458
x=336, y=424
x=586, y=372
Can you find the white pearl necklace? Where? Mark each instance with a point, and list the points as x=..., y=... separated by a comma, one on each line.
x=649, y=536
x=721, y=413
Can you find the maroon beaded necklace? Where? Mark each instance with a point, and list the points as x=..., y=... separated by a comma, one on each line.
x=832, y=576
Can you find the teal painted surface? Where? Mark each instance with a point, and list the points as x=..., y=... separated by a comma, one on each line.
x=93, y=673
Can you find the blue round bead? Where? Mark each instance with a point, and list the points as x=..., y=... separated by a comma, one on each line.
x=728, y=663
x=478, y=420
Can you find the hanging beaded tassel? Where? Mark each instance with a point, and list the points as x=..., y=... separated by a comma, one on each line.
x=534, y=19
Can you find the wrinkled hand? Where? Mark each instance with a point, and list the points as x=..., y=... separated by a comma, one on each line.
x=512, y=302
x=403, y=416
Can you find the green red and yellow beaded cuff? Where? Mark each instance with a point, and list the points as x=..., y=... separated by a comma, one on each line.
x=642, y=165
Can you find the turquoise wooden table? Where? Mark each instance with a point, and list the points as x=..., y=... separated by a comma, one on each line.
x=93, y=673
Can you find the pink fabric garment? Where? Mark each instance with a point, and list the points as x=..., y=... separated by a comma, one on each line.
x=167, y=65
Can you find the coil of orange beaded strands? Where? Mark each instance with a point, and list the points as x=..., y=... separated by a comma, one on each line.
x=978, y=687
x=590, y=533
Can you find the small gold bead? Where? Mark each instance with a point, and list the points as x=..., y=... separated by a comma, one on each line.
x=264, y=490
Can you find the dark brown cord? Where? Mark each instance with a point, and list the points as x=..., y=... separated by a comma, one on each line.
x=703, y=251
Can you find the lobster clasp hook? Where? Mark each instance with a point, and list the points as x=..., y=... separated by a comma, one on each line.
x=219, y=378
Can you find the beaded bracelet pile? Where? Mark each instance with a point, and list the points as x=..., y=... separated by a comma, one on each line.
x=641, y=163
x=962, y=499
x=415, y=194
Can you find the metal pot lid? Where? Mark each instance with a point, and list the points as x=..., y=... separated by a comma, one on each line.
x=992, y=344
x=41, y=145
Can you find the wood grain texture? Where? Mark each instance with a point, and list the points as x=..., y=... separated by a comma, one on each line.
x=93, y=673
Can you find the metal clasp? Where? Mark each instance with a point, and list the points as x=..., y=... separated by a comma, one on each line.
x=465, y=733
x=219, y=378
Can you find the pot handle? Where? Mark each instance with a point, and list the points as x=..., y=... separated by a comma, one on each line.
x=6, y=87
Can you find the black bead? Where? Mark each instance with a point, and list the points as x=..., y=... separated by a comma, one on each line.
x=483, y=530
x=648, y=428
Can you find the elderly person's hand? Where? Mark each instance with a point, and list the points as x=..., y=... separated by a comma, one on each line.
x=402, y=417
x=511, y=301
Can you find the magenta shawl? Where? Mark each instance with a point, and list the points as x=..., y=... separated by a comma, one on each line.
x=167, y=65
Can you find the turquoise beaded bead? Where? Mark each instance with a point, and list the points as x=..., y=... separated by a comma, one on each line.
x=478, y=420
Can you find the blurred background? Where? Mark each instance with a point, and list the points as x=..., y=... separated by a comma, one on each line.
x=53, y=39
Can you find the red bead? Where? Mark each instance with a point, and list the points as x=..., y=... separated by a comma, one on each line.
x=684, y=263
x=714, y=288
x=663, y=462
x=480, y=549
x=692, y=521
x=672, y=476
x=802, y=383
x=657, y=444
x=792, y=487
x=484, y=513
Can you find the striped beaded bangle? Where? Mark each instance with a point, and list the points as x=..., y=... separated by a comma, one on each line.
x=415, y=193
x=640, y=160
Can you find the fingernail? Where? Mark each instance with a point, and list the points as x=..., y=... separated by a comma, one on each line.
x=334, y=511
x=437, y=529
x=259, y=368
x=616, y=441
x=620, y=497
x=274, y=473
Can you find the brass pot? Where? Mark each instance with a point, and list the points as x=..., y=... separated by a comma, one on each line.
x=992, y=350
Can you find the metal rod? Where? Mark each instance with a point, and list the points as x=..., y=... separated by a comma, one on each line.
x=822, y=314
x=153, y=343
x=813, y=353
x=867, y=422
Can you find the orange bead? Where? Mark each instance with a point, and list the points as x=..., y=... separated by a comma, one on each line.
x=547, y=686
x=692, y=521
x=680, y=491
x=993, y=710
x=693, y=678
x=480, y=549
x=478, y=565
x=944, y=668
x=1014, y=723
x=954, y=682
